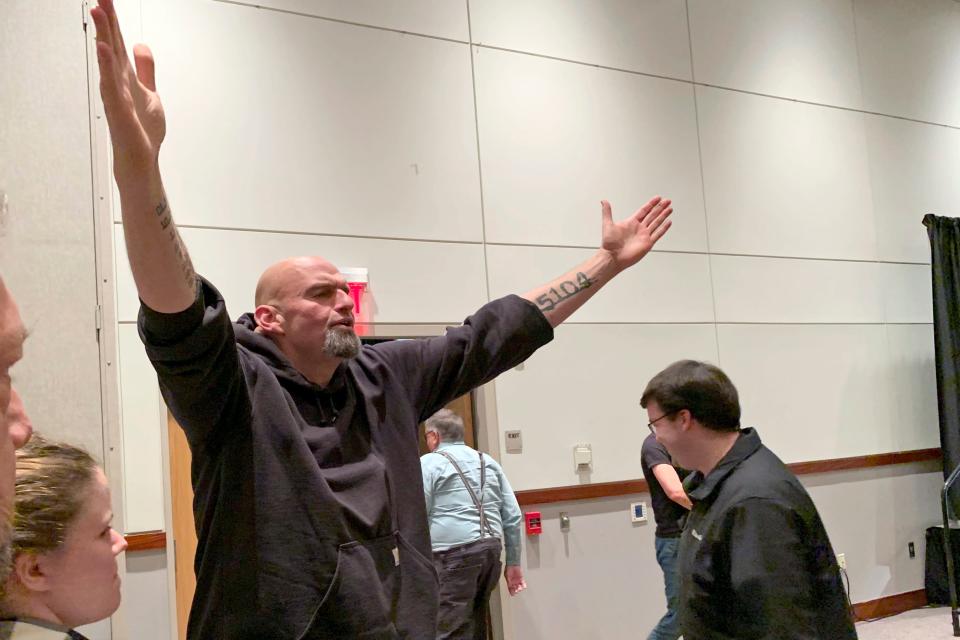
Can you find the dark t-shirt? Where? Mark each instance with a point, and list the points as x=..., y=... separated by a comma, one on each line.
x=666, y=512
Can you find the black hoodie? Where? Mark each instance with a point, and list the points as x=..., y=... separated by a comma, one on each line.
x=308, y=500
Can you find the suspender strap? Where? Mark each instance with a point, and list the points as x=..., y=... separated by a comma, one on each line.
x=478, y=502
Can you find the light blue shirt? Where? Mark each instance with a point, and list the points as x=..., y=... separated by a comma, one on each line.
x=453, y=517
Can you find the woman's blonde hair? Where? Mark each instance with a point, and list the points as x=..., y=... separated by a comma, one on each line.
x=53, y=479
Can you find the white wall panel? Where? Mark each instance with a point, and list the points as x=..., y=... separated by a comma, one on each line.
x=780, y=290
x=409, y=281
x=908, y=293
x=556, y=138
x=801, y=50
x=443, y=18
x=663, y=287
x=914, y=377
x=617, y=592
x=783, y=178
x=47, y=258
x=914, y=170
x=649, y=36
x=300, y=124
x=813, y=392
x=871, y=515
x=146, y=598
x=585, y=387
x=910, y=58
x=144, y=427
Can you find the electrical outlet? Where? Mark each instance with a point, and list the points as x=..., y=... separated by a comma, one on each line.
x=842, y=560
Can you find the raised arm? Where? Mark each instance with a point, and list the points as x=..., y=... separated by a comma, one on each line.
x=161, y=266
x=624, y=244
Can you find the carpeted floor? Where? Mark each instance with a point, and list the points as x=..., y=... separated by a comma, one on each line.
x=931, y=623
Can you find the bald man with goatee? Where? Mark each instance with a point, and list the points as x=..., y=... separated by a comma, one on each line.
x=309, y=497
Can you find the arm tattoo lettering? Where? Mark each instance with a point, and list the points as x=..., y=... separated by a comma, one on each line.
x=566, y=289
x=186, y=266
x=183, y=258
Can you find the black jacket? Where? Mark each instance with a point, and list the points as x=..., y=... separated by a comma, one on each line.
x=309, y=501
x=755, y=560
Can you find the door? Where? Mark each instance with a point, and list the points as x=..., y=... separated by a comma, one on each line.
x=184, y=530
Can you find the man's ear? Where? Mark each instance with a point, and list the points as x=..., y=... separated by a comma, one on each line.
x=686, y=419
x=269, y=319
x=32, y=571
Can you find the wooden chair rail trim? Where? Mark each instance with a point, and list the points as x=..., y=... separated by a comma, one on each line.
x=148, y=540
x=631, y=487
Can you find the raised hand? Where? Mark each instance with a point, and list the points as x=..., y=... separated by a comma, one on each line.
x=130, y=101
x=629, y=240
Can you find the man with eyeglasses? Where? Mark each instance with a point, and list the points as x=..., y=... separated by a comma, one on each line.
x=755, y=560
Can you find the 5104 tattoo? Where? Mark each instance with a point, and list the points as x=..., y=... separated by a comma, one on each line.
x=566, y=289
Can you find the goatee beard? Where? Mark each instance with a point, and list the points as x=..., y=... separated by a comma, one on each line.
x=341, y=343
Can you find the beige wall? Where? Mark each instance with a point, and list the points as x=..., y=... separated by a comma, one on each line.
x=47, y=253
x=459, y=150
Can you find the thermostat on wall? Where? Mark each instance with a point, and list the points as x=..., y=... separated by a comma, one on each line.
x=638, y=512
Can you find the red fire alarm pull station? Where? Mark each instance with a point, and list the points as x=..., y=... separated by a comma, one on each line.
x=534, y=527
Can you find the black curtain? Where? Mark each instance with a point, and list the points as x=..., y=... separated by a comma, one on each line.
x=945, y=263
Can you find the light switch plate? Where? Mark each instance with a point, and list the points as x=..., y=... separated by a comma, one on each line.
x=582, y=455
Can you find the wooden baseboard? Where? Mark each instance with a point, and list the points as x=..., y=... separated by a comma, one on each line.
x=890, y=605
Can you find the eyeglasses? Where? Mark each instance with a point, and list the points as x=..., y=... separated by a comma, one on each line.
x=650, y=425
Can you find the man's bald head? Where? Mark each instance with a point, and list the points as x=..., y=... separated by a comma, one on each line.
x=304, y=305
x=288, y=278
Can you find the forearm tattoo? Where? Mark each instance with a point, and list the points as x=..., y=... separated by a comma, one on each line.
x=566, y=289
x=183, y=258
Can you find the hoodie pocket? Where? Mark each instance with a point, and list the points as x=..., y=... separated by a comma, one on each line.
x=419, y=596
x=362, y=598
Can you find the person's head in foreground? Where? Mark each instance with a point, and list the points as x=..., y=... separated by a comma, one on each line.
x=64, y=567
x=692, y=407
x=15, y=427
